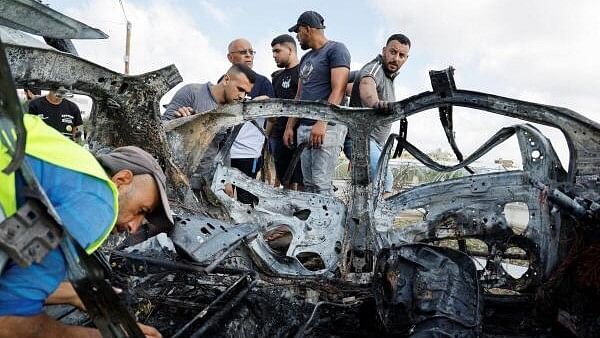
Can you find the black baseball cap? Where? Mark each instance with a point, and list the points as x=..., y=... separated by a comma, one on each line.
x=310, y=19
x=141, y=162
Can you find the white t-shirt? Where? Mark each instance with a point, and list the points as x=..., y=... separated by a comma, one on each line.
x=249, y=142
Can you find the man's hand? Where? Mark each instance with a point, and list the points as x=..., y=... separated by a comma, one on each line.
x=229, y=189
x=317, y=134
x=66, y=294
x=271, y=121
x=184, y=111
x=260, y=98
x=149, y=331
x=288, y=137
x=382, y=107
x=76, y=133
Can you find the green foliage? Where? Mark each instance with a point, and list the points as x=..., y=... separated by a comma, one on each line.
x=406, y=175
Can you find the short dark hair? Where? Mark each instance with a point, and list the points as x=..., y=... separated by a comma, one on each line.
x=403, y=39
x=34, y=90
x=284, y=38
x=244, y=69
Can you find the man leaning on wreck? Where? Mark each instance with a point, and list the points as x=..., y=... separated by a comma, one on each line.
x=90, y=204
x=374, y=88
x=323, y=77
x=198, y=98
x=202, y=97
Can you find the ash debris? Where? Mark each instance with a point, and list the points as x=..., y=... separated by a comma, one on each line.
x=273, y=307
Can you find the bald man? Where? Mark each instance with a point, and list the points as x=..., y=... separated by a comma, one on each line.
x=247, y=149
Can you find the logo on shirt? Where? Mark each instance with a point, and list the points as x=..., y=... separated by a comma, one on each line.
x=286, y=82
x=68, y=119
x=306, y=70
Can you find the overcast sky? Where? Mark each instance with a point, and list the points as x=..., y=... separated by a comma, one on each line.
x=540, y=51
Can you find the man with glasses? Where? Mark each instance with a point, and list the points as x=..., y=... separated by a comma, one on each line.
x=247, y=148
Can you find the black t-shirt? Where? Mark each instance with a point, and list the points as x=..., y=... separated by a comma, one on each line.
x=285, y=86
x=63, y=117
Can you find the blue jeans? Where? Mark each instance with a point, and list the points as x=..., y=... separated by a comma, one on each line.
x=374, y=155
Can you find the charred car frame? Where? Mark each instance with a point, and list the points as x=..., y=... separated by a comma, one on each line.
x=347, y=271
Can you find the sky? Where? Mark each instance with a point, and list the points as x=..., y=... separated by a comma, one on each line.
x=539, y=51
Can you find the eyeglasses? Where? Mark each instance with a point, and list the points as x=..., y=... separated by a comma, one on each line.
x=244, y=52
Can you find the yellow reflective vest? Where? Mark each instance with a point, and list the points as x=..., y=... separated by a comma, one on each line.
x=47, y=144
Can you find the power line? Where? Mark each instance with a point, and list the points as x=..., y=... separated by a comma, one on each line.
x=123, y=9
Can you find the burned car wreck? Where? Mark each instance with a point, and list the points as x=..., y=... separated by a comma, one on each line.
x=346, y=269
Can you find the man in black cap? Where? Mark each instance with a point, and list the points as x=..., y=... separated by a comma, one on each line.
x=323, y=77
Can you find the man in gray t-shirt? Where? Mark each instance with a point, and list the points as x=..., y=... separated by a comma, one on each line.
x=323, y=76
x=199, y=98
x=374, y=87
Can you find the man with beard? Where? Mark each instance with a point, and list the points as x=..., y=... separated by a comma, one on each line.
x=285, y=86
x=374, y=87
x=323, y=77
x=92, y=197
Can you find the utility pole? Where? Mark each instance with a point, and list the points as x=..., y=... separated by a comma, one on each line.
x=127, y=47
x=127, y=39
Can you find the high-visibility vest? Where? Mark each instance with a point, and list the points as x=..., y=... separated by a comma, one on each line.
x=48, y=145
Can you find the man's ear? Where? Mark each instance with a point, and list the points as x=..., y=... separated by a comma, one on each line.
x=226, y=78
x=122, y=177
x=383, y=50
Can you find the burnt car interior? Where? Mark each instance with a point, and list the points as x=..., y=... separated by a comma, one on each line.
x=307, y=265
